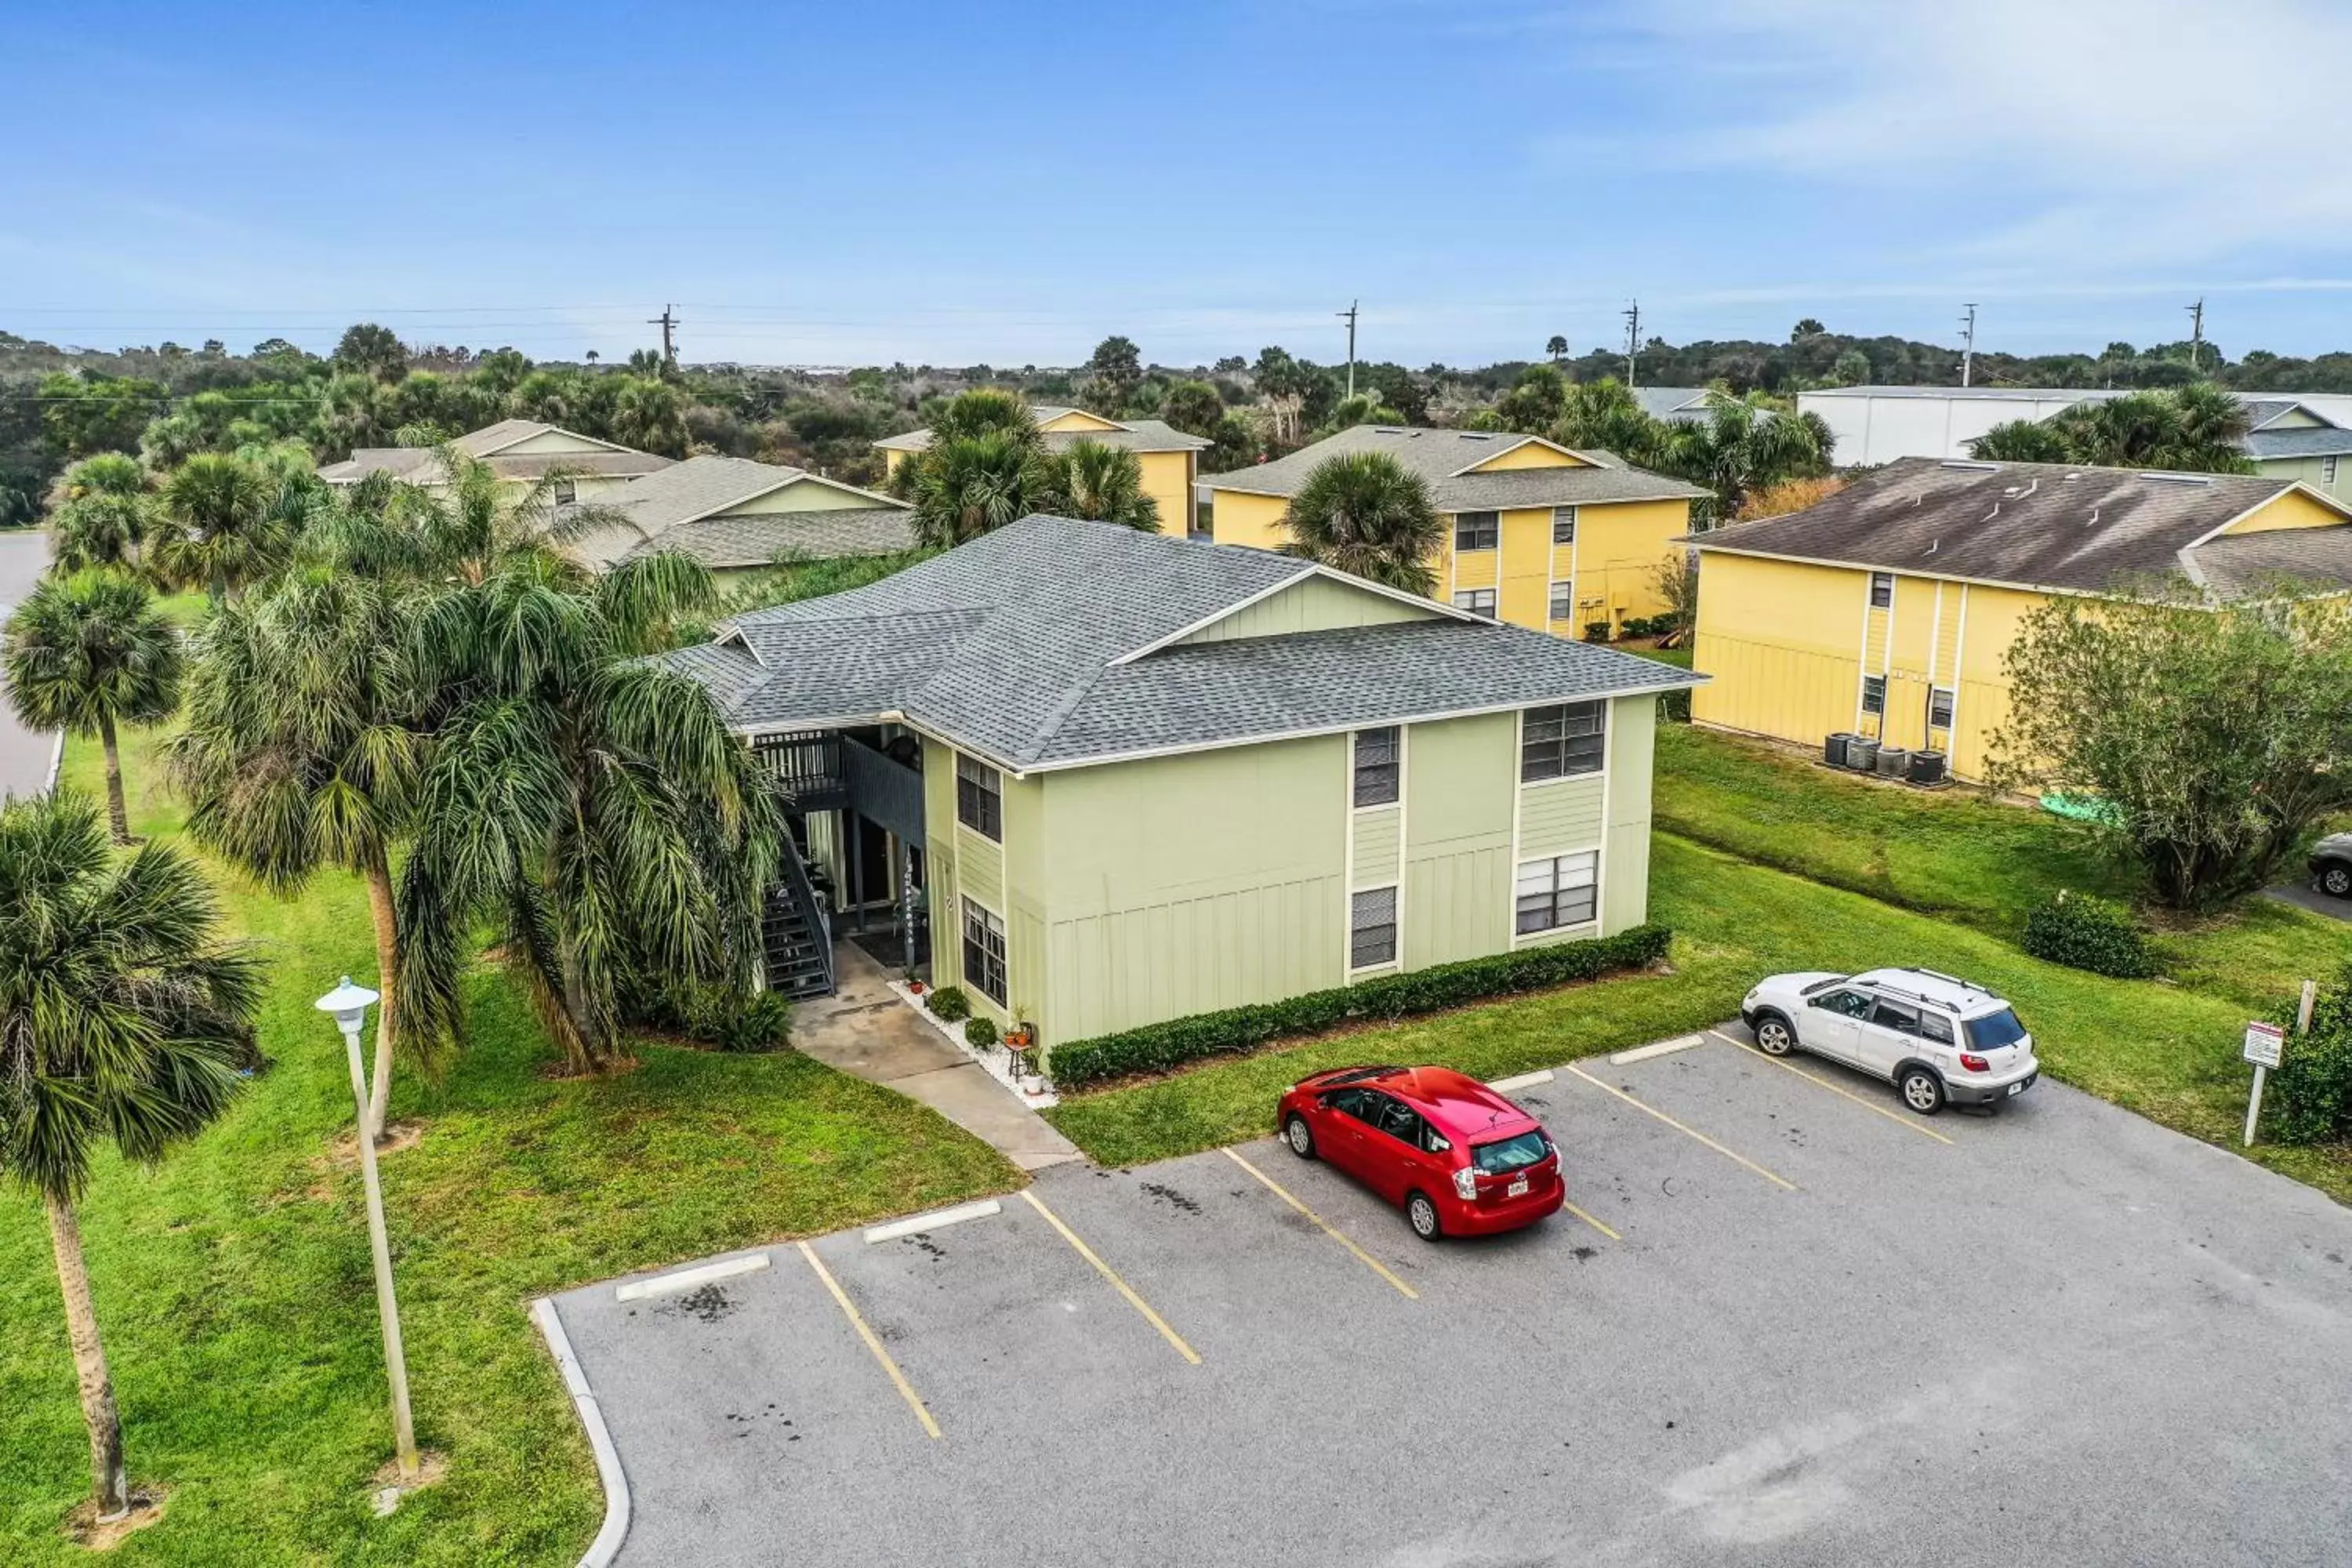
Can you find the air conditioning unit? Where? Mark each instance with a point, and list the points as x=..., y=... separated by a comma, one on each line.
x=1893, y=762
x=1927, y=767
x=1833, y=749
x=1861, y=753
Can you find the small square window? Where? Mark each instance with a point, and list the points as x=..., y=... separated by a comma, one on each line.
x=1563, y=525
x=1563, y=601
x=1558, y=742
x=1558, y=892
x=1477, y=529
x=1477, y=601
x=1371, y=928
x=1882, y=590
x=980, y=799
x=566, y=492
x=1873, y=694
x=2328, y=470
x=983, y=953
x=1939, y=708
x=1377, y=776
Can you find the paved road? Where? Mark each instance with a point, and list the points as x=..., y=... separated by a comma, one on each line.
x=2062, y=1335
x=25, y=754
x=2304, y=895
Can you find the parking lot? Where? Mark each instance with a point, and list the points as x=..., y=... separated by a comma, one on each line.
x=1792, y=1325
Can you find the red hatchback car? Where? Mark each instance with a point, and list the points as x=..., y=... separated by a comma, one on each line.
x=1458, y=1158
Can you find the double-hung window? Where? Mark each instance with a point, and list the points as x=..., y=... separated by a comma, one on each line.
x=1376, y=775
x=983, y=953
x=1557, y=743
x=1882, y=590
x=1371, y=928
x=979, y=798
x=1477, y=601
x=1873, y=694
x=1559, y=891
x=1563, y=525
x=1563, y=601
x=1939, y=708
x=1477, y=529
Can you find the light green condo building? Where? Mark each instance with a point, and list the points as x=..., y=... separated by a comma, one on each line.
x=1129, y=777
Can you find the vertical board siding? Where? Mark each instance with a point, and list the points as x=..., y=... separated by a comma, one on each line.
x=1462, y=775
x=1625, y=858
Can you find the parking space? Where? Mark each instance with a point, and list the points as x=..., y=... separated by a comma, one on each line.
x=1798, y=1325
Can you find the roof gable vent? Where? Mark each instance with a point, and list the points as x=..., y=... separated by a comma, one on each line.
x=1963, y=463
x=2171, y=478
x=1474, y=435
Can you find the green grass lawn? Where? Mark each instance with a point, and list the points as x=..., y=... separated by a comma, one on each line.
x=1959, y=855
x=2166, y=1051
x=234, y=1286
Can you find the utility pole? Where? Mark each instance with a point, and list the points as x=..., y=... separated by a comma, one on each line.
x=668, y=323
x=2196, y=334
x=1348, y=316
x=1633, y=313
x=1969, y=353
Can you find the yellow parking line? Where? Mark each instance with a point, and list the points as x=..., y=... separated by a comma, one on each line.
x=1365, y=1259
x=906, y=1389
x=1589, y=1220
x=1652, y=1110
x=1906, y=1121
x=1134, y=1300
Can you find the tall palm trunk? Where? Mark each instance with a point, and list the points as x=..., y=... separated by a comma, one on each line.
x=387, y=965
x=108, y=1483
x=118, y=815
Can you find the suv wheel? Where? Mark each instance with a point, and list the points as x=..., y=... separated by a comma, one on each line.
x=1923, y=1091
x=2335, y=880
x=1296, y=1134
x=1773, y=1036
x=1422, y=1214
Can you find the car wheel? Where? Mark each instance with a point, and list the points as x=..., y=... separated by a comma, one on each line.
x=1923, y=1091
x=1422, y=1214
x=1296, y=1133
x=1773, y=1036
x=2335, y=881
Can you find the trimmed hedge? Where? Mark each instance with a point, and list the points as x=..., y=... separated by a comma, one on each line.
x=950, y=1004
x=979, y=1029
x=2311, y=1092
x=1160, y=1048
x=2086, y=932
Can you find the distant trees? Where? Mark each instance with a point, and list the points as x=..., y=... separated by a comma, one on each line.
x=1113, y=372
x=1736, y=449
x=99, y=515
x=1193, y=408
x=2196, y=428
x=1556, y=348
x=1366, y=513
x=371, y=350
x=87, y=653
x=2219, y=737
x=82, y=416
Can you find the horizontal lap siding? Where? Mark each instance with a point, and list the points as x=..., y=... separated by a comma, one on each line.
x=1560, y=816
x=1378, y=841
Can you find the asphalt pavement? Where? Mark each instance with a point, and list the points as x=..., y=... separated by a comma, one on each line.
x=25, y=754
x=1790, y=1324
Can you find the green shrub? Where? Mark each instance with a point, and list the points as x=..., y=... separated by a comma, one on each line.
x=1674, y=707
x=710, y=1014
x=979, y=1029
x=2086, y=932
x=950, y=1004
x=1596, y=631
x=1160, y=1048
x=762, y=1024
x=2310, y=1098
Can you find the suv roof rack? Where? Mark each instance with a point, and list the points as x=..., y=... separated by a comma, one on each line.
x=1921, y=997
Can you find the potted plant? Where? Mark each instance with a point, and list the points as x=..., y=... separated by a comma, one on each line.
x=1023, y=1039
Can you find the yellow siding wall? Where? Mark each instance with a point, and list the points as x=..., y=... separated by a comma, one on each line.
x=1619, y=548
x=1168, y=480
x=2292, y=508
x=1530, y=455
x=1244, y=519
x=1077, y=419
x=891, y=458
x=1612, y=564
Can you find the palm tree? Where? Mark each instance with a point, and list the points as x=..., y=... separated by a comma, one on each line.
x=306, y=735
x=123, y=1021
x=1106, y=485
x=592, y=804
x=98, y=513
x=969, y=485
x=1366, y=513
x=2194, y=430
x=1738, y=447
x=981, y=410
x=86, y=652
x=2022, y=441
x=1602, y=415
x=227, y=523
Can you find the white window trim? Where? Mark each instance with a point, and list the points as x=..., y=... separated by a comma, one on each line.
x=1347, y=888
x=1396, y=921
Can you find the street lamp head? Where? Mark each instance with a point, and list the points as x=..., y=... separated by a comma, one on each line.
x=349, y=1004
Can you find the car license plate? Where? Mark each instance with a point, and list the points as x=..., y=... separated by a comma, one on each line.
x=2019, y=1087
x=1518, y=1189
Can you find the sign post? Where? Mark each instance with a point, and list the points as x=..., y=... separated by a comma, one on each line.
x=2265, y=1043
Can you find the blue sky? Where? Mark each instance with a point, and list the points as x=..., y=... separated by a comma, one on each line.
x=1006, y=183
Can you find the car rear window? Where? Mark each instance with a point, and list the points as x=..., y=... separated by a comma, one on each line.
x=1995, y=1030
x=1510, y=1155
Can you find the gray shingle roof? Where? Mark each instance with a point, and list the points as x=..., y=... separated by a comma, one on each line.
x=2046, y=525
x=2239, y=565
x=685, y=507
x=422, y=464
x=2308, y=441
x=756, y=539
x=1012, y=646
x=1437, y=456
x=1135, y=435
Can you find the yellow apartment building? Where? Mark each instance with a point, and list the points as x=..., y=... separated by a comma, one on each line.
x=1889, y=609
x=1170, y=459
x=1537, y=535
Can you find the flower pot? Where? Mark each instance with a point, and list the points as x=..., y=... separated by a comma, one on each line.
x=1033, y=1083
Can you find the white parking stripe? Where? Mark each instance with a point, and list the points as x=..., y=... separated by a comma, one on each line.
x=688, y=1279
x=915, y=1224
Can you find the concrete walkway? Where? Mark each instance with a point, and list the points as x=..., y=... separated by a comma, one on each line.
x=865, y=1030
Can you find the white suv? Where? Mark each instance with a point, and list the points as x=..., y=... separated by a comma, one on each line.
x=1933, y=1038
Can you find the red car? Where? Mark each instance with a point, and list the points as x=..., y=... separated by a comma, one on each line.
x=1458, y=1158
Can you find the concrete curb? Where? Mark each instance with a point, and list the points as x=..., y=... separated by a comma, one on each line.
x=608, y=1544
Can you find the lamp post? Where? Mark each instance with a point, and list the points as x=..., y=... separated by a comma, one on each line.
x=349, y=1004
